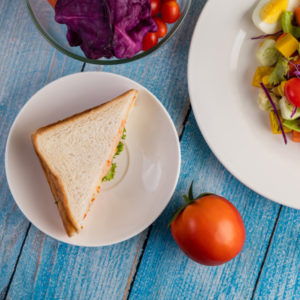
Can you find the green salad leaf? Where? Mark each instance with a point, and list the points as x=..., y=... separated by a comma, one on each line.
x=296, y=32
x=292, y=124
x=111, y=173
x=280, y=71
x=286, y=21
x=120, y=148
x=124, y=134
x=287, y=26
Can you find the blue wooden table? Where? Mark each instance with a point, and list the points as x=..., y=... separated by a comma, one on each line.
x=150, y=265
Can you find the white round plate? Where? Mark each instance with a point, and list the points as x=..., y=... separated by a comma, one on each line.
x=220, y=70
x=148, y=169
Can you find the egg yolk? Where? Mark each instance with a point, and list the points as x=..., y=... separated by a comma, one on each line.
x=271, y=11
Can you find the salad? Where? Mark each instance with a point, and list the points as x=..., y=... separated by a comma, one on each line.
x=120, y=28
x=278, y=75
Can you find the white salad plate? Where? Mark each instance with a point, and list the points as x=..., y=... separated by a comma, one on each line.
x=220, y=70
x=147, y=170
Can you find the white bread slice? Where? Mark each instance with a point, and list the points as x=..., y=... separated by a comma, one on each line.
x=76, y=154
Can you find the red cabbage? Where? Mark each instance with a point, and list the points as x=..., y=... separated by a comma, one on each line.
x=297, y=73
x=294, y=111
x=88, y=26
x=103, y=28
x=132, y=21
x=266, y=35
x=275, y=110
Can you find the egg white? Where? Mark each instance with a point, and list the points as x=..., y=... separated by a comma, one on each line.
x=266, y=27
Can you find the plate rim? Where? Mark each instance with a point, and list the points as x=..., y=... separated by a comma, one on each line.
x=236, y=173
x=166, y=115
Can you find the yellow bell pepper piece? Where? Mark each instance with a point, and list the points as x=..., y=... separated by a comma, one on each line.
x=262, y=75
x=274, y=124
x=279, y=90
x=287, y=45
x=265, y=80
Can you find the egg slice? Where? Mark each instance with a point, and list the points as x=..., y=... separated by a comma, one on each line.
x=267, y=13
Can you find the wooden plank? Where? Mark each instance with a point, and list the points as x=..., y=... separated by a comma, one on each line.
x=280, y=276
x=27, y=62
x=51, y=270
x=46, y=268
x=170, y=274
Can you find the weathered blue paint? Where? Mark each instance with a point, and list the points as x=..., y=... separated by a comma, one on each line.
x=51, y=270
x=280, y=277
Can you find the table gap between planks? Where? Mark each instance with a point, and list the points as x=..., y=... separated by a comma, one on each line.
x=150, y=265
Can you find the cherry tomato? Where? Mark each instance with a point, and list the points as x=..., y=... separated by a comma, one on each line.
x=292, y=91
x=161, y=27
x=170, y=11
x=210, y=230
x=150, y=40
x=155, y=7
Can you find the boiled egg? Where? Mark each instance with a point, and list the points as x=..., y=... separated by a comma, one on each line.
x=267, y=13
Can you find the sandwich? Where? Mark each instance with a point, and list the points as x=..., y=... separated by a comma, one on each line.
x=76, y=155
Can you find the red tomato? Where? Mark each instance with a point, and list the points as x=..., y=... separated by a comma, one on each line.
x=150, y=40
x=161, y=27
x=155, y=7
x=292, y=91
x=210, y=230
x=170, y=11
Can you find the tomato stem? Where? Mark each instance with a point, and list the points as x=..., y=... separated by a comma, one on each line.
x=188, y=200
x=178, y=211
x=191, y=194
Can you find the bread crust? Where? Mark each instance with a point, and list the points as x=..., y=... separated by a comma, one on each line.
x=59, y=195
x=57, y=188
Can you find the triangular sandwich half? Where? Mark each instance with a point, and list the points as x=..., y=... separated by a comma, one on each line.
x=76, y=153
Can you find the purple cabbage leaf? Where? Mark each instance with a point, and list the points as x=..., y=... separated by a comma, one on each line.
x=106, y=28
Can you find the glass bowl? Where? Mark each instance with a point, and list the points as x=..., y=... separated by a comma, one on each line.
x=42, y=15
